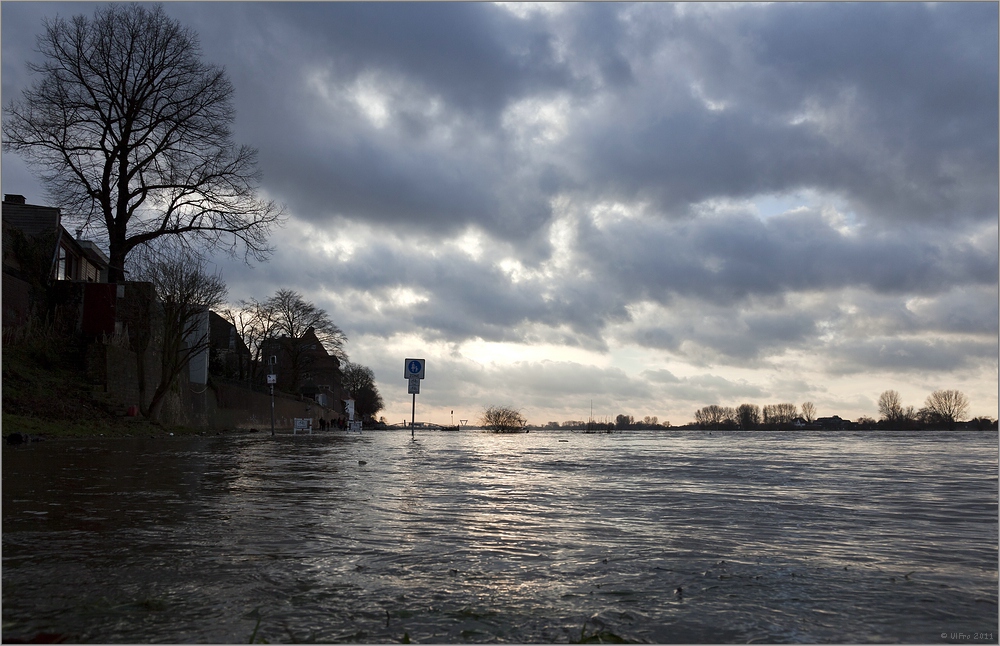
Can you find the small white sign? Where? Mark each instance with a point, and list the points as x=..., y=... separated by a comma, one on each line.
x=414, y=368
x=413, y=386
x=355, y=426
x=272, y=379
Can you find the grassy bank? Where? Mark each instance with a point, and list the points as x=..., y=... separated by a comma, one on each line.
x=45, y=393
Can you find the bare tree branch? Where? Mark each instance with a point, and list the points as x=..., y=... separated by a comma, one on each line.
x=130, y=132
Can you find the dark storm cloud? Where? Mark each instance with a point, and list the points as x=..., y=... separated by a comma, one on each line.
x=905, y=99
x=932, y=356
x=888, y=105
x=735, y=337
x=476, y=55
x=723, y=259
x=420, y=171
x=897, y=102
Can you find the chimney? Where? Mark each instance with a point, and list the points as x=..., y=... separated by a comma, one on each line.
x=10, y=198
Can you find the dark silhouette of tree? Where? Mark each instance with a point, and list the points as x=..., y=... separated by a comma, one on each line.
x=808, y=412
x=984, y=423
x=623, y=421
x=502, y=419
x=748, y=416
x=254, y=322
x=779, y=414
x=714, y=416
x=131, y=134
x=949, y=406
x=293, y=318
x=890, y=406
x=185, y=293
x=360, y=382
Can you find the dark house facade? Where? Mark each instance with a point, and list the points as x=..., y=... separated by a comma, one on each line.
x=304, y=367
x=229, y=356
x=41, y=258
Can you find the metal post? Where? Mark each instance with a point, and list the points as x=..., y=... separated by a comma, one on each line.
x=272, y=409
x=413, y=414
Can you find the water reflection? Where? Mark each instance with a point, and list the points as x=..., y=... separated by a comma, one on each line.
x=457, y=537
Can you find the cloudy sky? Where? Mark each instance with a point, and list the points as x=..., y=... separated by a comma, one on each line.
x=647, y=208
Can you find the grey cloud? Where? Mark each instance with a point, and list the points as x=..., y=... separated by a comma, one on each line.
x=703, y=389
x=722, y=281
x=913, y=92
x=729, y=258
x=910, y=131
x=909, y=354
x=963, y=310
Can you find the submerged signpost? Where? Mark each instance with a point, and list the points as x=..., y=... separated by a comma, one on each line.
x=413, y=372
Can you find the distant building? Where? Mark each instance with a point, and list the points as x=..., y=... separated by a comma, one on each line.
x=229, y=355
x=834, y=423
x=303, y=366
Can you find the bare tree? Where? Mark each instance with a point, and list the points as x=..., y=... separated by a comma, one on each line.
x=715, y=416
x=185, y=293
x=890, y=406
x=502, y=419
x=131, y=134
x=949, y=406
x=779, y=413
x=254, y=322
x=294, y=317
x=360, y=382
x=809, y=412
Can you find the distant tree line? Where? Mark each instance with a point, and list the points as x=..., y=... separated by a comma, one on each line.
x=621, y=422
x=942, y=409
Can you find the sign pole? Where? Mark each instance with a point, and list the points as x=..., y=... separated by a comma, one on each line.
x=271, y=380
x=414, y=372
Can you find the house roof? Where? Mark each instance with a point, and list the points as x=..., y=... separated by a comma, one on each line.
x=29, y=218
x=34, y=220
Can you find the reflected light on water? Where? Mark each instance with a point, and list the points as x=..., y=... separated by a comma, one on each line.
x=464, y=536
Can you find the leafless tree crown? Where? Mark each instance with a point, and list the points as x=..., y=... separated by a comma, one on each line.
x=130, y=131
x=502, y=419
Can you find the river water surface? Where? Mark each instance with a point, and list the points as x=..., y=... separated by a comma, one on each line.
x=471, y=537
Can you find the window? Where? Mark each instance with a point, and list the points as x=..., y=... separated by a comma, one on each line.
x=61, y=264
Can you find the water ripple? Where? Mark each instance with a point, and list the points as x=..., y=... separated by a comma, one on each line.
x=468, y=537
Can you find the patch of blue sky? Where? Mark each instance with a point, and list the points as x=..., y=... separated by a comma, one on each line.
x=834, y=210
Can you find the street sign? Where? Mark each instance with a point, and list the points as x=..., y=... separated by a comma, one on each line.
x=414, y=368
x=272, y=379
x=413, y=388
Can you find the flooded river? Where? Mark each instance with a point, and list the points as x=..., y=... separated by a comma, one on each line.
x=470, y=537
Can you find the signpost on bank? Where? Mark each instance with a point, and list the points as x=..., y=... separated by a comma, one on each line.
x=271, y=380
x=413, y=372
